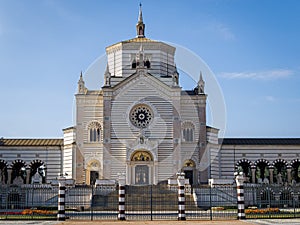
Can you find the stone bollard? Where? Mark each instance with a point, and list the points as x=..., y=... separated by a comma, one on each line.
x=239, y=178
x=181, y=197
x=121, y=214
x=61, y=216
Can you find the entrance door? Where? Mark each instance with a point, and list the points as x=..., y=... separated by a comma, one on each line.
x=141, y=174
x=94, y=175
x=189, y=175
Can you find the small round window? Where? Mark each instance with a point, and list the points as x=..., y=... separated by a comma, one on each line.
x=141, y=116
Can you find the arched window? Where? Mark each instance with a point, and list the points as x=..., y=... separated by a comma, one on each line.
x=133, y=65
x=94, y=132
x=188, y=131
x=147, y=64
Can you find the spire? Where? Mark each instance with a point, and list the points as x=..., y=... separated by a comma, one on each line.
x=107, y=76
x=140, y=14
x=81, y=85
x=201, y=84
x=140, y=26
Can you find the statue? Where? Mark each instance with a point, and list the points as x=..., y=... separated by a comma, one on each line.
x=37, y=178
x=279, y=178
x=39, y=175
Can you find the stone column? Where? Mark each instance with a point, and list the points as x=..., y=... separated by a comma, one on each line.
x=28, y=175
x=181, y=197
x=271, y=169
x=289, y=174
x=61, y=216
x=253, y=171
x=240, y=196
x=122, y=179
x=9, y=172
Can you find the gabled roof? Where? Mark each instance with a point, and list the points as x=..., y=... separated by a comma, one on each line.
x=31, y=142
x=260, y=141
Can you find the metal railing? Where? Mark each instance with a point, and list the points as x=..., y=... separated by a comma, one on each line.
x=149, y=202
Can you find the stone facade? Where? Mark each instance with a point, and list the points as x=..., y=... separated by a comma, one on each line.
x=20, y=160
x=142, y=123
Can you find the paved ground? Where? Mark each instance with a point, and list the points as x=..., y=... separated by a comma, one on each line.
x=276, y=221
x=216, y=222
x=224, y=222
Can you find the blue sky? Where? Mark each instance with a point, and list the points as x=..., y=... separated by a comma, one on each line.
x=252, y=47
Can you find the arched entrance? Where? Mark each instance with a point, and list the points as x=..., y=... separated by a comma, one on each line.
x=280, y=171
x=18, y=175
x=37, y=167
x=141, y=166
x=92, y=172
x=190, y=171
x=262, y=171
x=244, y=166
x=295, y=171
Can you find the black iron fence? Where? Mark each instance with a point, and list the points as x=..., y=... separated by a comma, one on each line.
x=150, y=202
x=272, y=201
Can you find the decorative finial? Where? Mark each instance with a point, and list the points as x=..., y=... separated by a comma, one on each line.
x=81, y=85
x=201, y=84
x=107, y=76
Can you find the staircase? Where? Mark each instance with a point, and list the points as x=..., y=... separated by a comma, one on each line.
x=214, y=197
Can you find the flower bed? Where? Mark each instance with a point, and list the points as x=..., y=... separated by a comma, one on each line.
x=36, y=211
x=262, y=211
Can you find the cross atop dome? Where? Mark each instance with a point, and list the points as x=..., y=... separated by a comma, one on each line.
x=140, y=26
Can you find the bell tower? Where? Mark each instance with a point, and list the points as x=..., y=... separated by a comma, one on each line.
x=140, y=26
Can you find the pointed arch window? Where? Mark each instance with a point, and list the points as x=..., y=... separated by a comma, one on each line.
x=94, y=132
x=188, y=132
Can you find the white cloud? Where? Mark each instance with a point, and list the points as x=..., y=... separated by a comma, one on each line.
x=225, y=32
x=261, y=75
x=219, y=30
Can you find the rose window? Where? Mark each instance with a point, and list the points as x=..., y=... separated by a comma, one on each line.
x=141, y=116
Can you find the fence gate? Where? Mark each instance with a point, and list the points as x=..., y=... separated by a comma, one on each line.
x=151, y=202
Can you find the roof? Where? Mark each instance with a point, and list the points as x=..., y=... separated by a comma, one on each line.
x=260, y=141
x=139, y=39
x=31, y=142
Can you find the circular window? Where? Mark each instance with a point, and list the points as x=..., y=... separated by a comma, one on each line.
x=141, y=116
